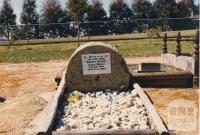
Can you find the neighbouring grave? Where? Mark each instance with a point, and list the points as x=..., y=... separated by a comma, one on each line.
x=176, y=70
x=160, y=75
x=96, y=66
x=188, y=62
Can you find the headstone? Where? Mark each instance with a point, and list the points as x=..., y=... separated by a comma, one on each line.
x=97, y=66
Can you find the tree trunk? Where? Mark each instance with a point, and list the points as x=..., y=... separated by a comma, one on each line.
x=8, y=37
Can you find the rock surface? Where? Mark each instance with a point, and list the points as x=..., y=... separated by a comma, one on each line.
x=104, y=110
x=75, y=79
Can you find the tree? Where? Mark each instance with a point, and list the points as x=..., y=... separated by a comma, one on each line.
x=192, y=8
x=77, y=10
x=1, y=27
x=52, y=14
x=166, y=9
x=97, y=14
x=186, y=8
x=121, y=17
x=143, y=9
x=7, y=17
x=30, y=16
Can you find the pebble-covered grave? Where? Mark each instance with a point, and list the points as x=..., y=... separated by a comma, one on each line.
x=102, y=111
x=98, y=96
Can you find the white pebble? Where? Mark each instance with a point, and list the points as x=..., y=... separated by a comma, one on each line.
x=109, y=110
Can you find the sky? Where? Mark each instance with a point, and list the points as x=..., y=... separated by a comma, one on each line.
x=17, y=5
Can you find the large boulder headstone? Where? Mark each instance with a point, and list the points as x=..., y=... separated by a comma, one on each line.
x=96, y=66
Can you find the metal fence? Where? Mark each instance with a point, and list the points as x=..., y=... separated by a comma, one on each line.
x=64, y=32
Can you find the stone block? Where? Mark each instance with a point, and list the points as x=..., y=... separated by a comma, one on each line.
x=97, y=66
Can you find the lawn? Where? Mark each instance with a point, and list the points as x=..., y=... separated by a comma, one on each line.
x=36, y=53
x=124, y=36
x=128, y=48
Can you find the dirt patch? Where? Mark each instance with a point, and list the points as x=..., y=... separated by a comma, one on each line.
x=22, y=83
x=162, y=97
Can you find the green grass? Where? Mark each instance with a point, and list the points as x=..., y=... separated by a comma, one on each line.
x=138, y=35
x=142, y=48
x=37, y=53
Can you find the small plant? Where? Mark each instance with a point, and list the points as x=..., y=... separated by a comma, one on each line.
x=152, y=32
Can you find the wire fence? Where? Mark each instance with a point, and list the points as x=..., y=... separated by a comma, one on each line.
x=65, y=32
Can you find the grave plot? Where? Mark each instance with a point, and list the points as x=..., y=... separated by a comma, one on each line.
x=184, y=61
x=102, y=111
x=96, y=96
x=159, y=75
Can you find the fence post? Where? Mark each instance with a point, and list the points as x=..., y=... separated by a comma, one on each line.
x=28, y=30
x=178, y=46
x=8, y=36
x=196, y=58
x=89, y=33
x=165, y=44
x=196, y=53
x=78, y=34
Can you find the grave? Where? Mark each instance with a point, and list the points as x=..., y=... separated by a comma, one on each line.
x=160, y=75
x=96, y=85
x=185, y=61
x=98, y=74
x=176, y=70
